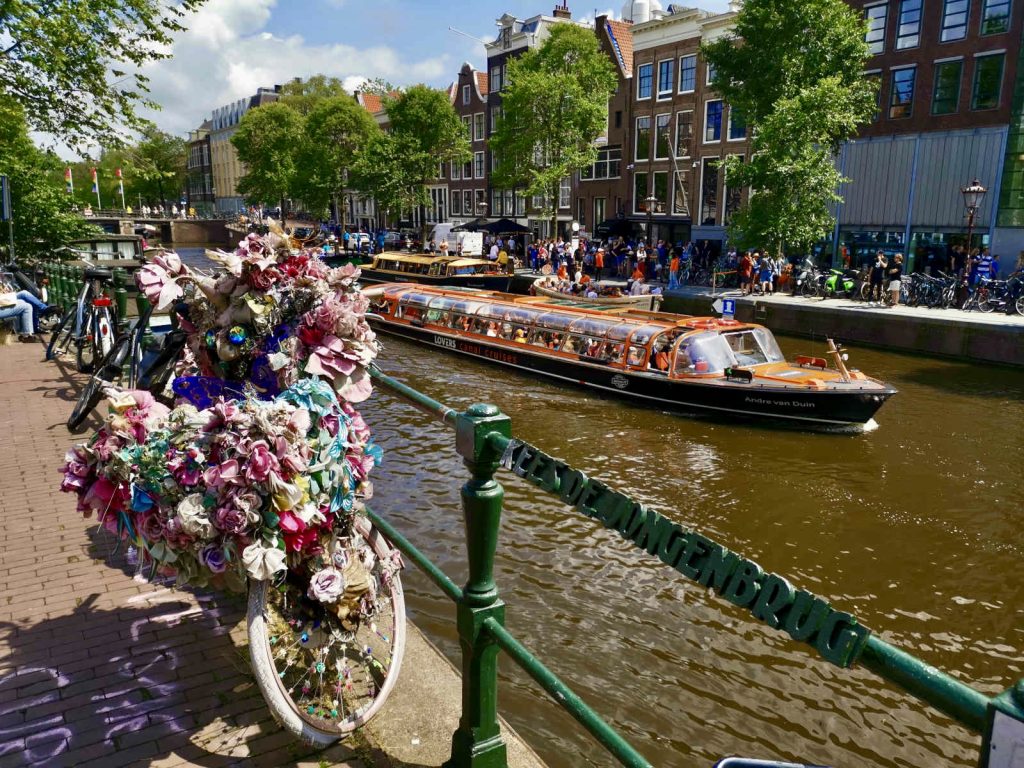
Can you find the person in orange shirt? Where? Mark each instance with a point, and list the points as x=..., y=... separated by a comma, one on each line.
x=562, y=274
x=585, y=279
x=673, y=271
x=599, y=263
x=637, y=273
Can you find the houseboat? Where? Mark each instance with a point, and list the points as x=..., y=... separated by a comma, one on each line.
x=430, y=270
x=693, y=364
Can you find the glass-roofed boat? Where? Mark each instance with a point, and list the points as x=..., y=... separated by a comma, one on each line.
x=694, y=364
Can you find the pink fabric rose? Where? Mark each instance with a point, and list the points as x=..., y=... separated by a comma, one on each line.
x=261, y=463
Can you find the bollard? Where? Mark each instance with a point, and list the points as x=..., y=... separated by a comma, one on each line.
x=62, y=280
x=477, y=743
x=120, y=296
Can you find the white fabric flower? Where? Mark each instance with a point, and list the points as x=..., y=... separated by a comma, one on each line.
x=327, y=585
x=194, y=518
x=262, y=562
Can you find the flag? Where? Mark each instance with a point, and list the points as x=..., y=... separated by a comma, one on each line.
x=95, y=184
x=120, y=186
x=118, y=173
x=69, y=184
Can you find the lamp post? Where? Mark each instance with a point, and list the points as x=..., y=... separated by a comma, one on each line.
x=973, y=194
x=652, y=202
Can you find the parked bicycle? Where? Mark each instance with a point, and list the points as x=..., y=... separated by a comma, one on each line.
x=90, y=325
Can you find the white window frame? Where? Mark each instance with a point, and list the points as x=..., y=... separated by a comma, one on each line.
x=636, y=138
x=678, y=124
x=706, y=140
x=478, y=165
x=479, y=122
x=654, y=134
x=565, y=193
x=688, y=56
x=700, y=183
x=667, y=204
x=666, y=94
x=494, y=83
x=465, y=95
x=728, y=128
x=708, y=72
x=638, y=79
x=456, y=169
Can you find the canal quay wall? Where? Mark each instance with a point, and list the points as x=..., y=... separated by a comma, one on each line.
x=99, y=667
x=969, y=336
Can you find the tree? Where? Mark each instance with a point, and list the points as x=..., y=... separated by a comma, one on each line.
x=379, y=86
x=73, y=65
x=154, y=167
x=337, y=131
x=555, y=106
x=267, y=141
x=797, y=79
x=43, y=212
x=426, y=134
x=304, y=95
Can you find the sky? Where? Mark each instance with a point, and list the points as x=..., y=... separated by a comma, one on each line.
x=232, y=47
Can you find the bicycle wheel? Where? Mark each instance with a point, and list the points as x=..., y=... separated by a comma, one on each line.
x=323, y=677
x=109, y=371
x=60, y=339
x=85, y=354
x=1019, y=305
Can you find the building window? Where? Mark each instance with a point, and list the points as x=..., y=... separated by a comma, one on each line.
x=710, y=70
x=644, y=73
x=564, y=190
x=478, y=164
x=478, y=126
x=467, y=169
x=467, y=124
x=465, y=94
x=688, y=74
x=467, y=202
x=666, y=79
x=733, y=198
x=995, y=17
x=618, y=118
x=737, y=125
x=639, y=192
x=681, y=194
x=954, y=20
x=494, y=81
x=520, y=205
x=876, y=83
x=661, y=191
x=599, y=208
x=510, y=202
x=606, y=166
x=643, y=139
x=495, y=114
x=456, y=204
x=709, y=191
x=713, y=121
x=875, y=37
x=946, y=96
x=661, y=137
x=684, y=133
x=988, y=81
x=901, y=97
x=908, y=30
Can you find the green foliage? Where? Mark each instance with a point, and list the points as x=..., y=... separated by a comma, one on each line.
x=425, y=133
x=304, y=95
x=555, y=105
x=379, y=86
x=43, y=215
x=267, y=141
x=74, y=65
x=798, y=80
x=336, y=132
x=154, y=167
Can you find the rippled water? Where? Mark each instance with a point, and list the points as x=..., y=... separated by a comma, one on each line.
x=915, y=528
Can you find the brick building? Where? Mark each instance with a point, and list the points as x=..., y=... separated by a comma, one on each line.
x=199, y=170
x=467, y=182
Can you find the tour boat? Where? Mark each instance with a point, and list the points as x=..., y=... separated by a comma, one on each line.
x=693, y=364
x=453, y=270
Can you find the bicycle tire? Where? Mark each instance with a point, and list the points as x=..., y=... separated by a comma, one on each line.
x=109, y=371
x=60, y=338
x=85, y=347
x=1019, y=305
x=303, y=718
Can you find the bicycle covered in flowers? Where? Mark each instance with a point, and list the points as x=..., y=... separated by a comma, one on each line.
x=250, y=472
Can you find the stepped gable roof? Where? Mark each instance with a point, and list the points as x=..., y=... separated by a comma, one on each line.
x=621, y=35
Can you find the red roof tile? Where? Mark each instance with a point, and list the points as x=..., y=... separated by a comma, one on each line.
x=621, y=32
x=481, y=83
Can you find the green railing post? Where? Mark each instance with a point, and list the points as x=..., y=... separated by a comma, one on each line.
x=477, y=743
x=121, y=295
x=60, y=285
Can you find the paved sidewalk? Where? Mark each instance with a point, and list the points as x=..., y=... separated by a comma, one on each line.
x=98, y=668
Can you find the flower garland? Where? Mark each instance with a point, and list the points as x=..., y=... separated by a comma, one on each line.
x=256, y=469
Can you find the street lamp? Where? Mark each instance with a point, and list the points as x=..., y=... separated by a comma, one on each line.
x=652, y=202
x=973, y=194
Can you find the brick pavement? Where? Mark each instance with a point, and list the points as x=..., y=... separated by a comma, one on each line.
x=98, y=667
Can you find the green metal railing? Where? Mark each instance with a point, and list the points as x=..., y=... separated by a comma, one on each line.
x=484, y=440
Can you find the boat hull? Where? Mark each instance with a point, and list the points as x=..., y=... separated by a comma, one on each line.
x=648, y=302
x=805, y=406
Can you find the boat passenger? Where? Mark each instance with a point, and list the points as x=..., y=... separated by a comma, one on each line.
x=492, y=329
x=520, y=337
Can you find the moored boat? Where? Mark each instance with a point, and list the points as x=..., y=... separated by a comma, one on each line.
x=426, y=269
x=646, y=301
x=694, y=364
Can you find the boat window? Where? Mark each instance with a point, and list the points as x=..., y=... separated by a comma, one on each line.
x=391, y=290
x=412, y=306
x=591, y=326
x=438, y=316
x=442, y=302
x=748, y=350
x=661, y=353
x=704, y=353
x=636, y=357
x=466, y=307
x=593, y=348
x=541, y=337
x=556, y=321
x=620, y=332
x=769, y=346
x=645, y=333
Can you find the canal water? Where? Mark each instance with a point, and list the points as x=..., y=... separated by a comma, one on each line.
x=914, y=527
